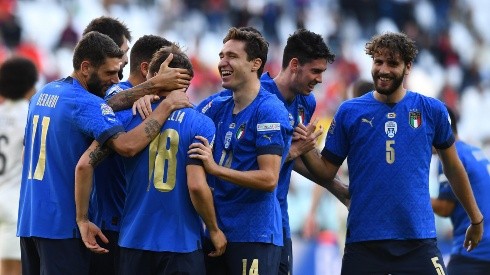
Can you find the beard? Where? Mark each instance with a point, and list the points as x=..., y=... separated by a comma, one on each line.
x=396, y=83
x=95, y=86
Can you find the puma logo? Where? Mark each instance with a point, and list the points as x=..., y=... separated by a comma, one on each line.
x=267, y=137
x=370, y=122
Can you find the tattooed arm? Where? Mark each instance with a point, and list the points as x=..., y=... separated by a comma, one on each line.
x=166, y=80
x=128, y=144
x=83, y=187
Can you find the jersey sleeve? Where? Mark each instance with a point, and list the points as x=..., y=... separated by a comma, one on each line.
x=96, y=119
x=273, y=129
x=336, y=142
x=444, y=137
x=204, y=127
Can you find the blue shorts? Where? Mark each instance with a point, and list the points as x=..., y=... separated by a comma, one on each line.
x=286, y=264
x=243, y=258
x=106, y=264
x=136, y=261
x=393, y=257
x=54, y=256
x=461, y=265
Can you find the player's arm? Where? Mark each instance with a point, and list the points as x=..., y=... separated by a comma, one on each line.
x=458, y=179
x=83, y=187
x=442, y=207
x=324, y=173
x=265, y=178
x=167, y=79
x=130, y=143
x=202, y=200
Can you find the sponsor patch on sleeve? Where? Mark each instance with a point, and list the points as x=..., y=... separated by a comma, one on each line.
x=106, y=109
x=262, y=127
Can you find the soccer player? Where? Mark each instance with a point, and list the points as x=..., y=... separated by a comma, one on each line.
x=109, y=193
x=252, y=140
x=387, y=137
x=18, y=77
x=166, y=193
x=117, y=31
x=168, y=79
x=64, y=117
x=477, y=166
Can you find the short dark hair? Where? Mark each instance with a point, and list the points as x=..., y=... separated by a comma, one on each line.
x=111, y=27
x=18, y=75
x=179, y=60
x=144, y=48
x=306, y=46
x=395, y=43
x=255, y=45
x=95, y=47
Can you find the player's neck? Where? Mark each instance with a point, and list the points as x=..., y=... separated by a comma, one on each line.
x=282, y=81
x=393, y=98
x=135, y=80
x=245, y=94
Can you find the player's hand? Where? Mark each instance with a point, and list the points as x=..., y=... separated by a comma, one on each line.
x=203, y=151
x=300, y=132
x=219, y=241
x=142, y=106
x=473, y=237
x=169, y=79
x=89, y=231
x=177, y=99
x=307, y=143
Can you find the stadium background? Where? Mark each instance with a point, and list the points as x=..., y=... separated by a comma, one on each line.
x=453, y=65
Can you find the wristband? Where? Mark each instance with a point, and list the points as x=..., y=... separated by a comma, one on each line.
x=478, y=222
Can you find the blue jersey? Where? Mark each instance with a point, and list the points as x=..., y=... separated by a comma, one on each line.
x=117, y=88
x=300, y=110
x=108, y=194
x=477, y=167
x=158, y=214
x=63, y=120
x=245, y=214
x=389, y=151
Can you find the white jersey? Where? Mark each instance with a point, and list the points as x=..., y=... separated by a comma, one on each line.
x=13, y=117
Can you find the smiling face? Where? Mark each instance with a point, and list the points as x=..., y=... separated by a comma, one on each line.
x=388, y=72
x=101, y=78
x=306, y=76
x=234, y=68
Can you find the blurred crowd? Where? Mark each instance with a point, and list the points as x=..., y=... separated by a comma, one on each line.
x=453, y=63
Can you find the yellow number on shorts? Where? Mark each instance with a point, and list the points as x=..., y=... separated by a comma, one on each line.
x=254, y=267
x=438, y=266
x=41, y=161
x=163, y=160
x=390, y=152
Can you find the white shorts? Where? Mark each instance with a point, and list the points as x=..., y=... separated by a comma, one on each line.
x=9, y=205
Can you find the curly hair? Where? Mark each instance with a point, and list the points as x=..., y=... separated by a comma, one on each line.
x=395, y=43
x=18, y=75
